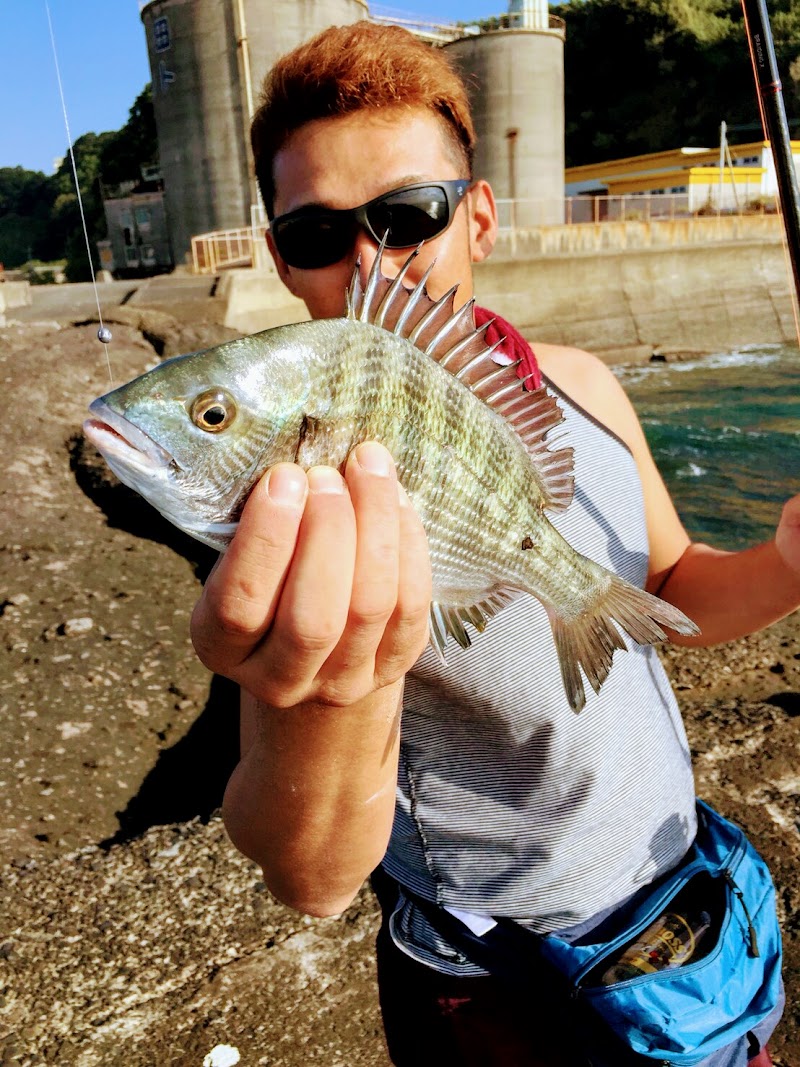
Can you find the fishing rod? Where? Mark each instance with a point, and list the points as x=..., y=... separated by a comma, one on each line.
x=776, y=128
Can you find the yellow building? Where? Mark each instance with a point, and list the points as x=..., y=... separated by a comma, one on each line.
x=748, y=176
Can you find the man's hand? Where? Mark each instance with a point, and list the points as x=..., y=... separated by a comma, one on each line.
x=323, y=594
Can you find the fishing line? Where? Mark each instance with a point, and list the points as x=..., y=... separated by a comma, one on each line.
x=103, y=334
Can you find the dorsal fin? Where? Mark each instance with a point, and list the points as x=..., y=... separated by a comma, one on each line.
x=450, y=337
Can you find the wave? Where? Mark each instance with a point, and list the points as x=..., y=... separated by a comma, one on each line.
x=725, y=433
x=746, y=356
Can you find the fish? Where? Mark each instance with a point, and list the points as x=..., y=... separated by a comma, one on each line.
x=471, y=436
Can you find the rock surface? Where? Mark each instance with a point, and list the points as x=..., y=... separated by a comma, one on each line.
x=132, y=932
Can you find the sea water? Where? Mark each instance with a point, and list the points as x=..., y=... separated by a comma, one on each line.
x=725, y=433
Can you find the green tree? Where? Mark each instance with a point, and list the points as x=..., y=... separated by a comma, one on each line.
x=648, y=75
x=67, y=226
x=26, y=200
x=40, y=216
x=135, y=144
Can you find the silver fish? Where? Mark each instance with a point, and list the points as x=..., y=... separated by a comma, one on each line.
x=469, y=439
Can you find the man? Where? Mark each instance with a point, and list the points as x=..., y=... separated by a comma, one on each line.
x=491, y=796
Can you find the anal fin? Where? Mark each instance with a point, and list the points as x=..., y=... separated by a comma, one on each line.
x=450, y=620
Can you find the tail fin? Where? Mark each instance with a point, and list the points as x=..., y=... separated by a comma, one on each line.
x=589, y=641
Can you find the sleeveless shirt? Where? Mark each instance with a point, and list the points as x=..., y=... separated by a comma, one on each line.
x=508, y=803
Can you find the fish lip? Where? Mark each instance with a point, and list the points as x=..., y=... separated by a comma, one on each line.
x=110, y=432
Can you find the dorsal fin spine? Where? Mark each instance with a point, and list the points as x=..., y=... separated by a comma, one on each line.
x=430, y=314
x=414, y=299
x=501, y=372
x=354, y=291
x=474, y=362
x=507, y=390
x=450, y=326
x=374, y=278
x=394, y=288
x=457, y=349
x=483, y=355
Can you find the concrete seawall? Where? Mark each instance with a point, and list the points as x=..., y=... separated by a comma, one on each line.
x=628, y=305
x=625, y=304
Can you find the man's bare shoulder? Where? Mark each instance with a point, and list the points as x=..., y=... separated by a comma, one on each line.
x=582, y=376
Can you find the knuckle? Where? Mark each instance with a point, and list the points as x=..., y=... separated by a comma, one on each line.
x=341, y=693
x=235, y=616
x=365, y=617
x=308, y=640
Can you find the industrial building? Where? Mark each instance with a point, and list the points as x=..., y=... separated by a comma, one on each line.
x=138, y=239
x=208, y=58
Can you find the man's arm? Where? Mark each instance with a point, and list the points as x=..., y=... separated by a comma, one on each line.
x=318, y=609
x=728, y=594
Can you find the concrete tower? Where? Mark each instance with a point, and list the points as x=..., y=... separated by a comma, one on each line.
x=207, y=60
x=515, y=75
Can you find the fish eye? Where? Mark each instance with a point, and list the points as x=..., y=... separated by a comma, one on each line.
x=213, y=410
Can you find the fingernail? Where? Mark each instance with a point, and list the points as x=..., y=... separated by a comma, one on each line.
x=286, y=485
x=325, y=480
x=374, y=458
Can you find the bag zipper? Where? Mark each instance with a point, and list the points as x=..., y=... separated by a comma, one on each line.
x=751, y=930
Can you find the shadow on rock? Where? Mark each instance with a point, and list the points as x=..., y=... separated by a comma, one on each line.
x=126, y=510
x=788, y=702
x=188, y=780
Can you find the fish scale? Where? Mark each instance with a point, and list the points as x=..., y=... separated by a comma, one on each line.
x=470, y=442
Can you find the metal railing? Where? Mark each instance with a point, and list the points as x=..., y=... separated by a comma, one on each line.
x=524, y=224
x=522, y=214
x=213, y=252
x=440, y=32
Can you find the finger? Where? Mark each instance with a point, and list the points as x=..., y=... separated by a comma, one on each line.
x=313, y=608
x=406, y=634
x=240, y=597
x=372, y=481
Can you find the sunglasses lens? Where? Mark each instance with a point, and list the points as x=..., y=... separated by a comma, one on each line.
x=410, y=216
x=313, y=241
x=313, y=238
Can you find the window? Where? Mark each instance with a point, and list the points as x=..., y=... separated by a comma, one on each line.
x=143, y=218
x=161, y=34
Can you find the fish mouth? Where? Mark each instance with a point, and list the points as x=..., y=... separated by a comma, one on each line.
x=117, y=439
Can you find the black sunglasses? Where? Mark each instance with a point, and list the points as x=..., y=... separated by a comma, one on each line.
x=314, y=237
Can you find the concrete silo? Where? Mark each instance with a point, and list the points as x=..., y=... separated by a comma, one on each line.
x=515, y=75
x=207, y=60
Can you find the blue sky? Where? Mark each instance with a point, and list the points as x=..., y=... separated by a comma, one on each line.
x=103, y=60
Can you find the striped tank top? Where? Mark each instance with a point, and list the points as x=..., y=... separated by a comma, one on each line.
x=509, y=803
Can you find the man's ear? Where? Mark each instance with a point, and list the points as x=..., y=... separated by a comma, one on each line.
x=283, y=269
x=482, y=220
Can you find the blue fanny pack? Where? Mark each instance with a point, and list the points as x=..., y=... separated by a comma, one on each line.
x=680, y=1015
x=683, y=1014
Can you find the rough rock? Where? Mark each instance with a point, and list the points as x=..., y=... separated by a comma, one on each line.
x=132, y=932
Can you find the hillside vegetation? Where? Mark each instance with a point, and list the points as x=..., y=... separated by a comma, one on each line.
x=40, y=215
x=648, y=75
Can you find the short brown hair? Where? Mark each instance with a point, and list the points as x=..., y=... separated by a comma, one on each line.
x=346, y=68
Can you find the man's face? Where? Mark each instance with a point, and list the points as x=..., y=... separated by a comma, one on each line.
x=345, y=161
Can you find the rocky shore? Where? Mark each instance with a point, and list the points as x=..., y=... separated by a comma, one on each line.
x=132, y=932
